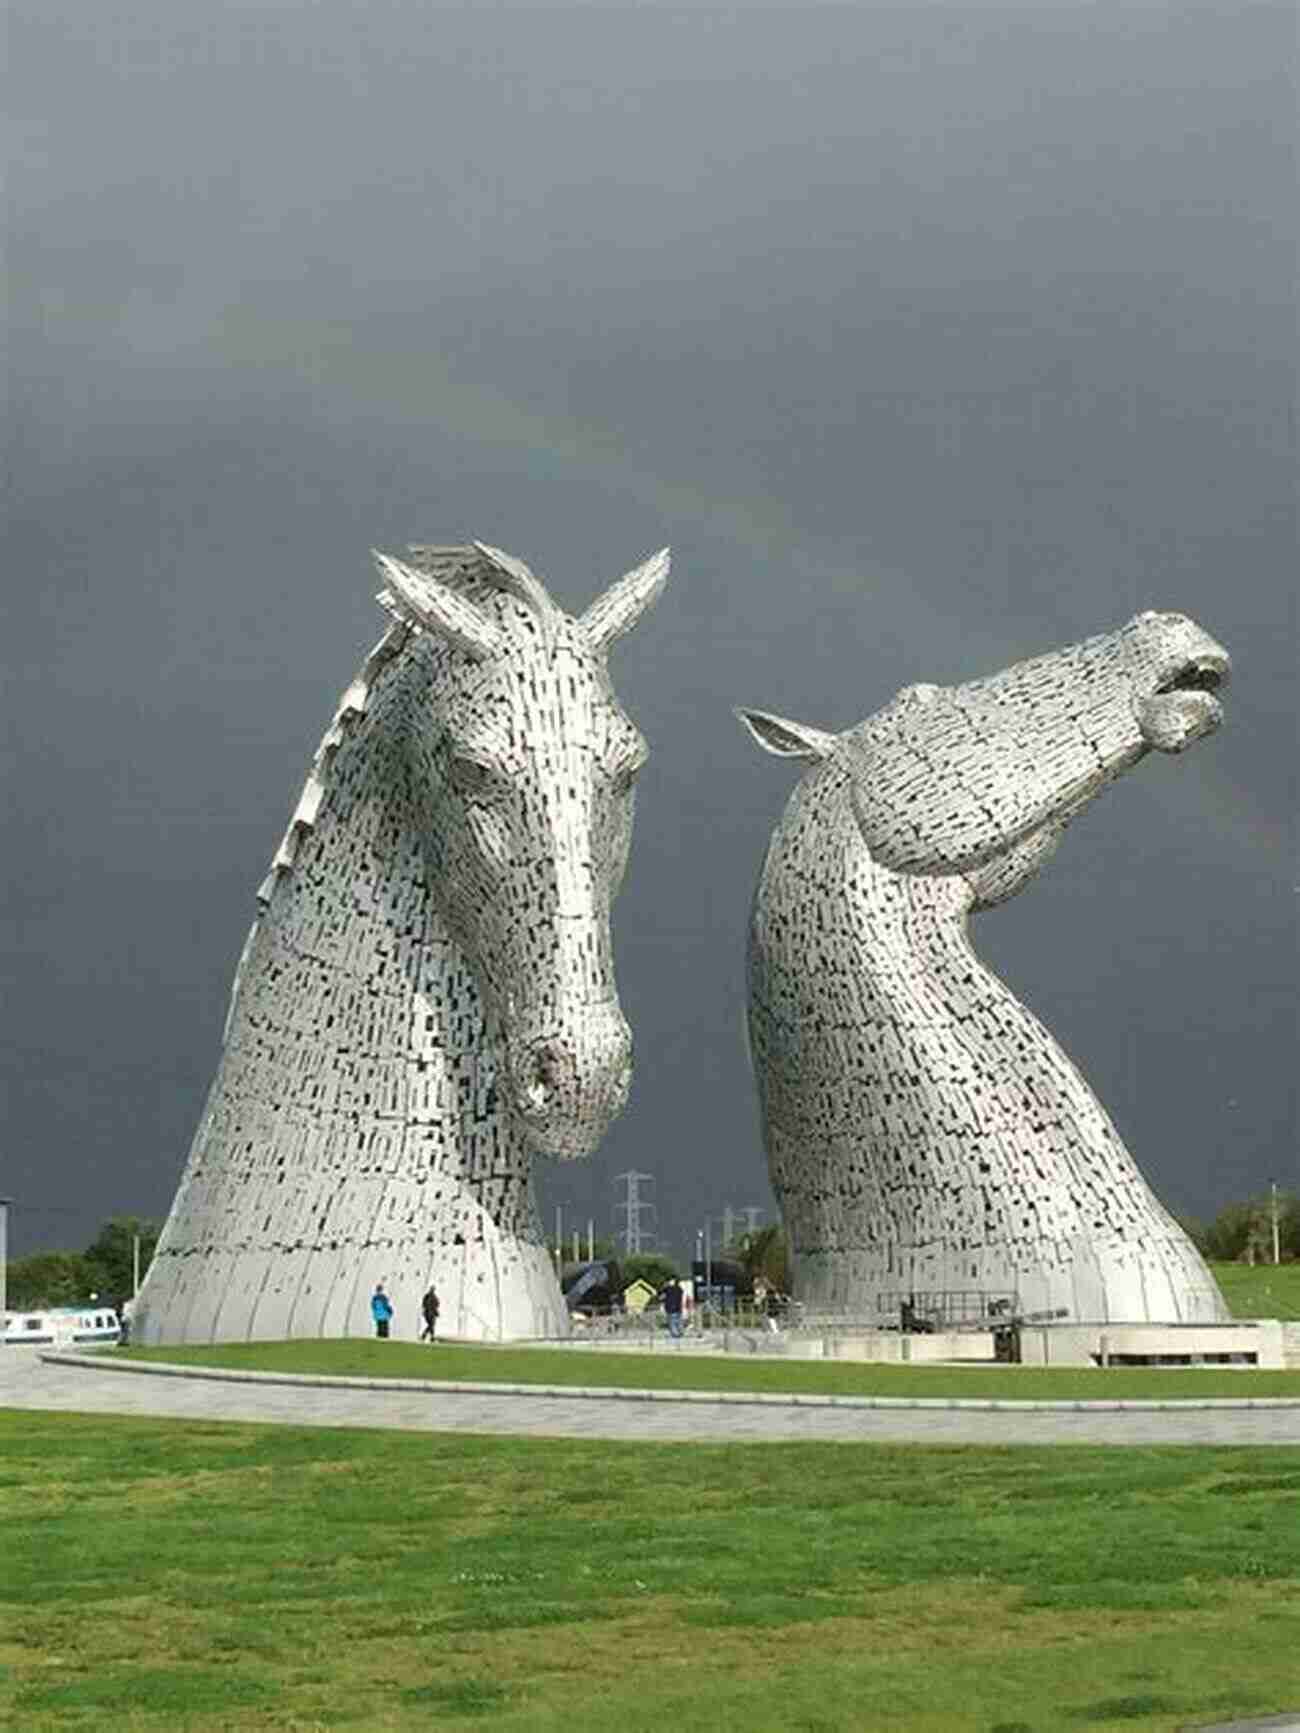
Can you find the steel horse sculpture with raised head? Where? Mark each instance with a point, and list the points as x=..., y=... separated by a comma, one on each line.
x=924, y=1131
x=427, y=997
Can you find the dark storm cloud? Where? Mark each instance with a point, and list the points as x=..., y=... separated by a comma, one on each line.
x=929, y=336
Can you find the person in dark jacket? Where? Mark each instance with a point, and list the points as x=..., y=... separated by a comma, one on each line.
x=674, y=1300
x=381, y=1310
x=430, y=1307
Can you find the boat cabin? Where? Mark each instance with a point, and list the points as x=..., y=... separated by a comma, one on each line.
x=61, y=1326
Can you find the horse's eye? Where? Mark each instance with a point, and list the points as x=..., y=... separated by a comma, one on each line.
x=625, y=776
x=471, y=780
x=487, y=826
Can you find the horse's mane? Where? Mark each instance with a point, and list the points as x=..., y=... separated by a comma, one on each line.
x=351, y=708
x=349, y=711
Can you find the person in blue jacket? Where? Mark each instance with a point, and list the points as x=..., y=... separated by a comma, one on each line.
x=381, y=1310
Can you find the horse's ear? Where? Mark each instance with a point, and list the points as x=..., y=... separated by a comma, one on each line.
x=785, y=738
x=520, y=580
x=624, y=602
x=420, y=599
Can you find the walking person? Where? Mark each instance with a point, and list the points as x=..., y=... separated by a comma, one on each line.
x=430, y=1307
x=673, y=1299
x=381, y=1310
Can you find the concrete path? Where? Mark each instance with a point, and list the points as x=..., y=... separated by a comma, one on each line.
x=26, y=1381
x=1277, y=1723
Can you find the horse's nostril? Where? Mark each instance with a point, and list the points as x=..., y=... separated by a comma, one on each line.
x=541, y=1077
x=544, y=1065
x=554, y=1077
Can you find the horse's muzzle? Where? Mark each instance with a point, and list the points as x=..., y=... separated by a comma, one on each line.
x=1185, y=705
x=564, y=1088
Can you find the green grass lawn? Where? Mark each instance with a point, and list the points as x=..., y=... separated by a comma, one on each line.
x=1260, y=1290
x=163, y=1575
x=666, y=1370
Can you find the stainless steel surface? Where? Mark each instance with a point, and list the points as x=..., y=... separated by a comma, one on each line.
x=427, y=997
x=923, y=1129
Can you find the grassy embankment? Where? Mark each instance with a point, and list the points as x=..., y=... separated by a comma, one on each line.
x=1259, y=1292
x=207, y=1576
x=668, y=1370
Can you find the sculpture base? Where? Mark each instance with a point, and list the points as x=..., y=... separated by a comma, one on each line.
x=488, y=1292
x=1155, y=1280
x=1261, y=1344
x=1258, y=1343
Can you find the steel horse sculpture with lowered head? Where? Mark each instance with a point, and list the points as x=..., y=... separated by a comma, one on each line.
x=924, y=1132
x=427, y=997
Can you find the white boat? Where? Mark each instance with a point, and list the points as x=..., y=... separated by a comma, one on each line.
x=62, y=1327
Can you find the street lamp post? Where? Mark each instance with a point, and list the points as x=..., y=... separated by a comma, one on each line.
x=1277, y=1247
x=4, y=1257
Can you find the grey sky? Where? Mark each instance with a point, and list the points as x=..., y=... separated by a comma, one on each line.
x=930, y=336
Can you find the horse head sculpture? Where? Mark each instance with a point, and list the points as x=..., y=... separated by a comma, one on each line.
x=426, y=1001
x=923, y=1129
x=522, y=774
x=956, y=779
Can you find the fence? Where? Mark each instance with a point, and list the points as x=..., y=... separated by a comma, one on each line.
x=911, y=1313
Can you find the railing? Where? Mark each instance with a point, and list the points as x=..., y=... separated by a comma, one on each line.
x=950, y=1309
x=919, y=1313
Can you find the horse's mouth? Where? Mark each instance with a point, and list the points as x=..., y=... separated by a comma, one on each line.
x=1184, y=707
x=1204, y=675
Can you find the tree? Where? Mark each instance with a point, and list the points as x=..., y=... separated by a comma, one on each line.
x=1228, y=1234
x=69, y=1278
x=765, y=1257
x=1245, y=1230
x=110, y=1253
x=1288, y=1226
x=1288, y=1209
x=51, y=1279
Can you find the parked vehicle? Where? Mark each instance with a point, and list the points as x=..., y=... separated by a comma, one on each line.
x=62, y=1327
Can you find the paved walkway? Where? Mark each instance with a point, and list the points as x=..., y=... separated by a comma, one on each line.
x=26, y=1381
